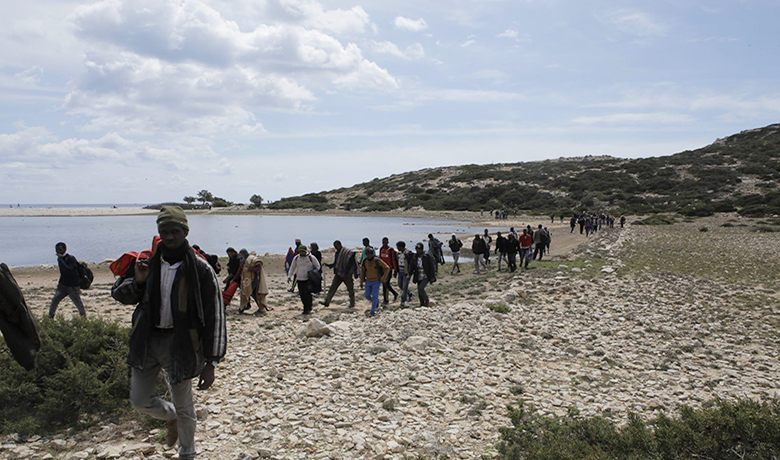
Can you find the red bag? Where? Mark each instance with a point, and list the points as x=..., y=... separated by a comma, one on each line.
x=119, y=267
x=227, y=294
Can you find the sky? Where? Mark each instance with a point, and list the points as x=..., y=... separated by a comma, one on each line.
x=146, y=101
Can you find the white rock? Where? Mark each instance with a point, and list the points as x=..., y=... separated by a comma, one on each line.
x=340, y=326
x=417, y=343
x=314, y=328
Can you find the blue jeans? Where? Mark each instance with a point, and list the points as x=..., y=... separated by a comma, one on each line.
x=403, y=283
x=372, y=294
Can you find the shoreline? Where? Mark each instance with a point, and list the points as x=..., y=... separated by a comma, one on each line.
x=471, y=216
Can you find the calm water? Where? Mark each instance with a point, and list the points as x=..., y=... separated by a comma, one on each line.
x=30, y=240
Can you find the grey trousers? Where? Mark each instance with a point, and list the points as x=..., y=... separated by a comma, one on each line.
x=143, y=385
x=348, y=281
x=67, y=291
x=478, y=260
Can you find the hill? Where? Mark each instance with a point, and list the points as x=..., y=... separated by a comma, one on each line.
x=738, y=173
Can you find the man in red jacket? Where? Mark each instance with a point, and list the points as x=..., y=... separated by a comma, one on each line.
x=388, y=255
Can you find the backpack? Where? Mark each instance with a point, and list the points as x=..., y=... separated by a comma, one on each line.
x=315, y=279
x=85, y=275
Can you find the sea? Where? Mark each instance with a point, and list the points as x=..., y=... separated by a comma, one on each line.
x=28, y=241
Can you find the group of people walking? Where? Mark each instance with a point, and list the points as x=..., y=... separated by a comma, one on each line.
x=179, y=322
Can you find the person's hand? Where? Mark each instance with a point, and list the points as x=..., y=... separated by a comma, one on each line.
x=289, y=280
x=142, y=271
x=206, y=377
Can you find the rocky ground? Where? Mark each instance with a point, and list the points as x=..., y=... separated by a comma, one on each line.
x=601, y=329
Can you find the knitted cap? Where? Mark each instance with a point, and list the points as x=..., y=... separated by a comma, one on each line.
x=172, y=215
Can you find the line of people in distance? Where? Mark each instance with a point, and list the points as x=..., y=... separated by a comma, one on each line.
x=374, y=268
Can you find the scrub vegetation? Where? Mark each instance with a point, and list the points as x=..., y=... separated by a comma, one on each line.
x=80, y=374
x=735, y=174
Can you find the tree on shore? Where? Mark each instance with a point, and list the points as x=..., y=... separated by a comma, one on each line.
x=190, y=199
x=257, y=201
x=204, y=196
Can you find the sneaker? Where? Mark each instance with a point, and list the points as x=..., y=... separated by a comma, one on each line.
x=173, y=433
x=323, y=303
x=403, y=305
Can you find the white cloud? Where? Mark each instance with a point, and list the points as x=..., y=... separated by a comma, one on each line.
x=636, y=118
x=39, y=148
x=415, y=51
x=30, y=76
x=634, y=22
x=509, y=33
x=497, y=76
x=224, y=168
x=471, y=39
x=413, y=25
x=184, y=67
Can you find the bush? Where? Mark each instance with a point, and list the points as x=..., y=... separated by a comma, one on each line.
x=656, y=220
x=499, y=307
x=704, y=229
x=742, y=429
x=765, y=229
x=80, y=371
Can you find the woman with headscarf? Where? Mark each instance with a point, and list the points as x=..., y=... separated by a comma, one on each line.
x=253, y=283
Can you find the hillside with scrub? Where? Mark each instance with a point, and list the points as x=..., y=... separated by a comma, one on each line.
x=738, y=173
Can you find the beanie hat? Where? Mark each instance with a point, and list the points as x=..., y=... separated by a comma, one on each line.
x=172, y=215
x=369, y=251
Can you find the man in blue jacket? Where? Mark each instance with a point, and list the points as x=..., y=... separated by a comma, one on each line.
x=68, y=286
x=179, y=325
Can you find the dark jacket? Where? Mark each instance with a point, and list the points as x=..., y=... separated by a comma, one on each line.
x=478, y=246
x=69, y=270
x=198, y=318
x=455, y=245
x=429, y=268
x=234, y=263
x=501, y=243
x=512, y=246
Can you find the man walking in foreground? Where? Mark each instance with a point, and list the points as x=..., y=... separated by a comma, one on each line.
x=179, y=325
x=69, y=285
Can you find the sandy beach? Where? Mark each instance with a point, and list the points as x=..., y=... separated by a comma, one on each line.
x=74, y=211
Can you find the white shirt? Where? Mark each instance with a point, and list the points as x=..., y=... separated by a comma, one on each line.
x=301, y=265
x=167, y=276
x=420, y=269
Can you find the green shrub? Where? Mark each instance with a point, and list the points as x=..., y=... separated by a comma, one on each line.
x=704, y=229
x=80, y=371
x=499, y=307
x=765, y=229
x=656, y=220
x=723, y=430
